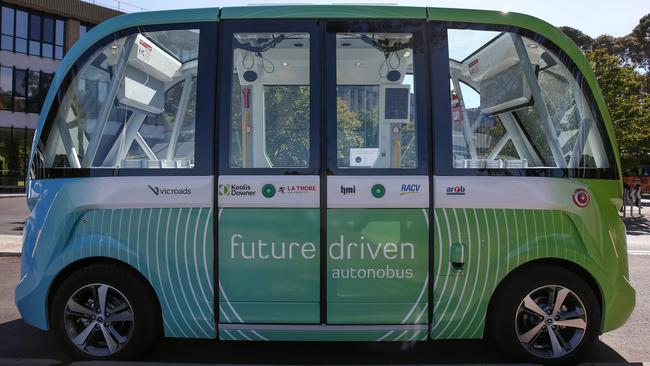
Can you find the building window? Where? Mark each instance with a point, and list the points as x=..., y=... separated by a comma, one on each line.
x=6, y=88
x=32, y=33
x=20, y=90
x=7, y=29
x=58, y=40
x=22, y=22
x=23, y=90
x=15, y=146
x=84, y=28
x=33, y=92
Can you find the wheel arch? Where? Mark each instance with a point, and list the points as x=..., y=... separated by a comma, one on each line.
x=72, y=267
x=580, y=271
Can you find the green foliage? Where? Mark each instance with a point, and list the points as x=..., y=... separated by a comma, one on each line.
x=286, y=111
x=348, y=125
x=628, y=105
x=622, y=67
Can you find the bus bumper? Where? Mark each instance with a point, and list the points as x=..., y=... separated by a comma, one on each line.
x=620, y=305
x=31, y=300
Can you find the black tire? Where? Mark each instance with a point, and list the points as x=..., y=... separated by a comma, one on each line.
x=504, y=317
x=144, y=328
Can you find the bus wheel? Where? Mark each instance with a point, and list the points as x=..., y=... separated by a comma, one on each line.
x=104, y=312
x=544, y=314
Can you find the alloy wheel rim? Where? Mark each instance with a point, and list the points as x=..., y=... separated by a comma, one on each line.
x=551, y=321
x=98, y=319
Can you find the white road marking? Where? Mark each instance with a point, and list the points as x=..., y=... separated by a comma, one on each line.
x=638, y=252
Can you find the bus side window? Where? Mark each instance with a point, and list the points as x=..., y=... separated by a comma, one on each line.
x=375, y=101
x=270, y=108
x=515, y=105
x=131, y=105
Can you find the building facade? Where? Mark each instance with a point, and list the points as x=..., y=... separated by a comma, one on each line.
x=35, y=36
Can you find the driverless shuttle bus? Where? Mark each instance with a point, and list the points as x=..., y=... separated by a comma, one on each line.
x=343, y=173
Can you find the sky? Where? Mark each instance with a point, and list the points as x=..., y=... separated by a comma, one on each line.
x=595, y=17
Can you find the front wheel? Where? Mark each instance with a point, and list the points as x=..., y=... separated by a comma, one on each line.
x=544, y=314
x=104, y=312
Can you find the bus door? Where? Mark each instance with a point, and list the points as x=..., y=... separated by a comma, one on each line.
x=378, y=183
x=268, y=190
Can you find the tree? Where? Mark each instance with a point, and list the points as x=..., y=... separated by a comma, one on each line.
x=629, y=105
x=622, y=67
x=582, y=40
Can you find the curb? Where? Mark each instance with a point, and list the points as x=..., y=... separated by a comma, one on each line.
x=12, y=195
x=11, y=245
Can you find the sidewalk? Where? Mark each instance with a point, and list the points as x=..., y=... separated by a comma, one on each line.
x=10, y=245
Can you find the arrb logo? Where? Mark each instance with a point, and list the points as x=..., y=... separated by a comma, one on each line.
x=456, y=191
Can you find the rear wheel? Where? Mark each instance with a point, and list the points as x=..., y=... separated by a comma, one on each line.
x=544, y=314
x=104, y=312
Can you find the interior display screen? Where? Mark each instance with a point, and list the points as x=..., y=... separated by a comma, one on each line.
x=397, y=103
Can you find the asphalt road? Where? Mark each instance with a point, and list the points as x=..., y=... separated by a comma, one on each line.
x=626, y=345
x=13, y=212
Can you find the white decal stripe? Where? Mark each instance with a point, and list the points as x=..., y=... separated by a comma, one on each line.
x=223, y=312
x=244, y=335
x=426, y=306
x=443, y=294
x=128, y=237
x=438, y=229
x=259, y=335
x=400, y=336
x=230, y=335
x=417, y=302
x=455, y=285
x=196, y=263
x=169, y=278
x=208, y=277
x=468, y=264
x=199, y=326
x=414, y=335
x=228, y=303
x=160, y=280
x=187, y=262
x=478, y=270
x=385, y=336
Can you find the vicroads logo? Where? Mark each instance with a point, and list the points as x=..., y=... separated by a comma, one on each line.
x=456, y=191
x=409, y=189
x=158, y=191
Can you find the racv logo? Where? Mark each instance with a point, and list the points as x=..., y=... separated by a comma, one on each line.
x=158, y=191
x=409, y=189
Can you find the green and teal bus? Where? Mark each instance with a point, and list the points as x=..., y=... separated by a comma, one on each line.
x=330, y=173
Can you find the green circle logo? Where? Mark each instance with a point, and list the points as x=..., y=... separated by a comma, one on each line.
x=268, y=190
x=378, y=191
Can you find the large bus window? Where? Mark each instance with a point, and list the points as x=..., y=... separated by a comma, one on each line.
x=514, y=104
x=375, y=101
x=270, y=111
x=131, y=105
